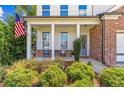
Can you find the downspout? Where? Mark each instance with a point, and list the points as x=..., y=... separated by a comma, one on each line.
x=103, y=37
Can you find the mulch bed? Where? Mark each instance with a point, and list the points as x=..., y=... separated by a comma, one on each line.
x=1, y=85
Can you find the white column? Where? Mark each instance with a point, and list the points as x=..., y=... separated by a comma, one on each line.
x=78, y=30
x=28, y=41
x=52, y=39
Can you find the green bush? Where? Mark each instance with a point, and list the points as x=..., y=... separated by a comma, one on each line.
x=52, y=77
x=77, y=49
x=26, y=64
x=79, y=71
x=43, y=65
x=21, y=78
x=112, y=77
x=2, y=73
x=90, y=63
x=32, y=64
x=82, y=83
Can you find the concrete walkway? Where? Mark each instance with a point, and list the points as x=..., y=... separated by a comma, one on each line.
x=97, y=66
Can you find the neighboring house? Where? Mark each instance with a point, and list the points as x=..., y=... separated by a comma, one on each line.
x=59, y=25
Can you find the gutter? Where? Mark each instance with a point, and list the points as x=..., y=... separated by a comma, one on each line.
x=103, y=37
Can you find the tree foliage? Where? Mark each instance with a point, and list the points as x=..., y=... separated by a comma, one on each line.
x=13, y=49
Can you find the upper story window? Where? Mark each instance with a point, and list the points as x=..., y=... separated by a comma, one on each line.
x=45, y=10
x=63, y=10
x=82, y=10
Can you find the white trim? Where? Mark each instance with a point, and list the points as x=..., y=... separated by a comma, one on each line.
x=53, y=41
x=120, y=31
x=29, y=51
x=88, y=43
x=115, y=8
x=78, y=30
x=111, y=16
x=63, y=23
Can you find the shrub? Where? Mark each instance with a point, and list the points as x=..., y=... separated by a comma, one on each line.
x=21, y=78
x=32, y=64
x=79, y=71
x=82, y=83
x=2, y=73
x=112, y=77
x=89, y=63
x=77, y=48
x=53, y=77
x=42, y=66
x=27, y=64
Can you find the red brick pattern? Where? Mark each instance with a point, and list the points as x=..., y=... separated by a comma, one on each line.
x=96, y=43
x=111, y=26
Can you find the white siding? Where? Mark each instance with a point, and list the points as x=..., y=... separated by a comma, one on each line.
x=73, y=10
x=89, y=10
x=97, y=9
x=39, y=10
x=55, y=10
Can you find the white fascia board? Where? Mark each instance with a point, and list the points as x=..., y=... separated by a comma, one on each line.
x=115, y=8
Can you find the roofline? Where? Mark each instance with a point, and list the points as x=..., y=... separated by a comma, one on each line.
x=60, y=16
x=114, y=13
x=115, y=8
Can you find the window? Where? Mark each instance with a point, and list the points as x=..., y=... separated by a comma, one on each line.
x=45, y=10
x=64, y=40
x=46, y=40
x=82, y=10
x=63, y=10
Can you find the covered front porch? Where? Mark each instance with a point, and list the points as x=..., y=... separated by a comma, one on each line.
x=55, y=35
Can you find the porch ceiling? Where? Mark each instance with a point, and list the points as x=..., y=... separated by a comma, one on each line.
x=62, y=20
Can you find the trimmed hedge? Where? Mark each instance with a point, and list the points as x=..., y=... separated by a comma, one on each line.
x=112, y=77
x=79, y=71
x=21, y=78
x=53, y=77
x=82, y=83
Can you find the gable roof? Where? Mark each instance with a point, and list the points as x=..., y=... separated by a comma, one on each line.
x=115, y=8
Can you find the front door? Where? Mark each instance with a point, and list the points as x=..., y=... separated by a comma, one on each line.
x=84, y=46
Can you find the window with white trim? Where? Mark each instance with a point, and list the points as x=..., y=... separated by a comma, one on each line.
x=45, y=10
x=64, y=40
x=63, y=10
x=46, y=40
x=82, y=10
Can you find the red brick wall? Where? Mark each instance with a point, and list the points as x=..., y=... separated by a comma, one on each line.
x=95, y=43
x=111, y=26
x=121, y=9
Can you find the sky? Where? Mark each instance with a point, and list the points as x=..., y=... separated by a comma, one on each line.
x=6, y=10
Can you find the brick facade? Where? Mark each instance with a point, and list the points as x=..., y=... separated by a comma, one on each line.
x=96, y=43
x=111, y=26
x=47, y=53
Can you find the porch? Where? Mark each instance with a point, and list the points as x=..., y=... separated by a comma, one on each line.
x=55, y=34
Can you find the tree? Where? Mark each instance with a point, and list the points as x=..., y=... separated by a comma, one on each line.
x=6, y=41
x=13, y=49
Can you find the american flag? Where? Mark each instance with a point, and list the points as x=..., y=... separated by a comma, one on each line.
x=19, y=27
